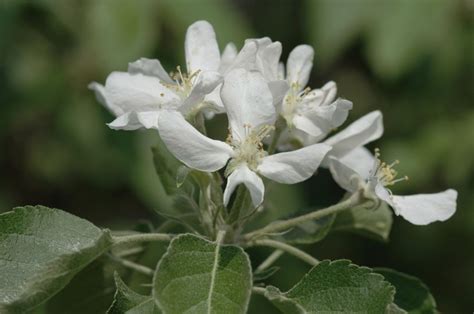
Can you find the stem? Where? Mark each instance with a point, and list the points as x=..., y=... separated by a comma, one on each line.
x=137, y=267
x=269, y=260
x=259, y=290
x=287, y=248
x=142, y=237
x=276, y=136
x=220, y=236
x=279, y=226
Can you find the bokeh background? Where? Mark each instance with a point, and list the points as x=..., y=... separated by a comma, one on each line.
x=411, y=59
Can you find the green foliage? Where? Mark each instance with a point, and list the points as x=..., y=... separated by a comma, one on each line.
x=337, y=286
x=412, y=295
x=42, y=249
x=199, y=276
x=373, y=223
x=310, y=231
x=128, y=301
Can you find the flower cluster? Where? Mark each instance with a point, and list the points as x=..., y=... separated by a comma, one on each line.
x=269, y=107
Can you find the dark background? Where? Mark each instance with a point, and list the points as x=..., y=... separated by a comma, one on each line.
x=411, y=59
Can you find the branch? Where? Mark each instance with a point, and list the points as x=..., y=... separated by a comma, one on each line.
x=141, y=237
x=287, y=248
x=355, y=199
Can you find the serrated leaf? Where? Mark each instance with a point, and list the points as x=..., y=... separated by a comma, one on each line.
x=337, y=286
x=310, y=231
x=412, y=294
x=41, y=250
x=372, y=223
x=128, y=301
x=199, y=276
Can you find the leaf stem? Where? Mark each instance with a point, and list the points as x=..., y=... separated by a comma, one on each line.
x=259, y=290
x=141, y=237
x=270, y=260
x=287, y=248
x=137, y=267
x=355, y=199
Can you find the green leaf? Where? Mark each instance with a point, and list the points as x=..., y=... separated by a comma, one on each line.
x=41, y=250
x=310, y=231
x=412, y=294
x=199, y=276
x=375, y=224
x=337, y=286
x=128, y=301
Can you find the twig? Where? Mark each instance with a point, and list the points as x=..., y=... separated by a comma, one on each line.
x=287, y=248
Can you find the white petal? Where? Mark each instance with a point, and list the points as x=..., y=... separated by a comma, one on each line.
x=205, y=83
x=189, y=146
x=243, y=175
x=150, y=67
x=202, y=51
x=295, y=166
x=278, y=88
x=228, y=56
x=307, y=125
x=299, y=65
x=215, y=101
x=245, y=59
x=281, y=71
x=137, y=92
x=101, y=95
x=360, y=160
x=345, y=176
x=362, y=131
x=248, y=101
x=383, y=193
x=136, y=120
x=268, y=58
x=422, y=209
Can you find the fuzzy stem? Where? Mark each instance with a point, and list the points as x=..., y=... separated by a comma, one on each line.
x=287, y=248
x=141, y=237
x=270, y=260
x=279, y=226
x=280, y=125
x=259, y=290
x=137, y=267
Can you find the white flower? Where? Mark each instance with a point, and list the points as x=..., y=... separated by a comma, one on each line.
x=138, y=96
x=251, y=114
x=360, y=169
x=314, y=112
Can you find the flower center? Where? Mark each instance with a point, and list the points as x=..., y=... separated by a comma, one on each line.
x=385, y=173
x=292, y=102
x=248, y=150
x=184, y=82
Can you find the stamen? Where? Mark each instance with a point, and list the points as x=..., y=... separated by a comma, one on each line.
x=385, y=173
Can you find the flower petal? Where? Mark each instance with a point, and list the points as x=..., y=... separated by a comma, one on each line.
x=299, y=65
x=295, y=166
x=205, y=83
x=228, y=56
x=422, y=209
x=101, y=95
x=138, y=92
x=202, y=51
x=135, y=120
x=360, y=160
x=362, y=131
x=345, y=176
x=243, y=175
x=267, y=61
x=189, y=146
x=245, y=59
x=248, y=102
x=150, y=67
x=278, y=88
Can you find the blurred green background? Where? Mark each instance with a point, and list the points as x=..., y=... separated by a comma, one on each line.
x=411, y=59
